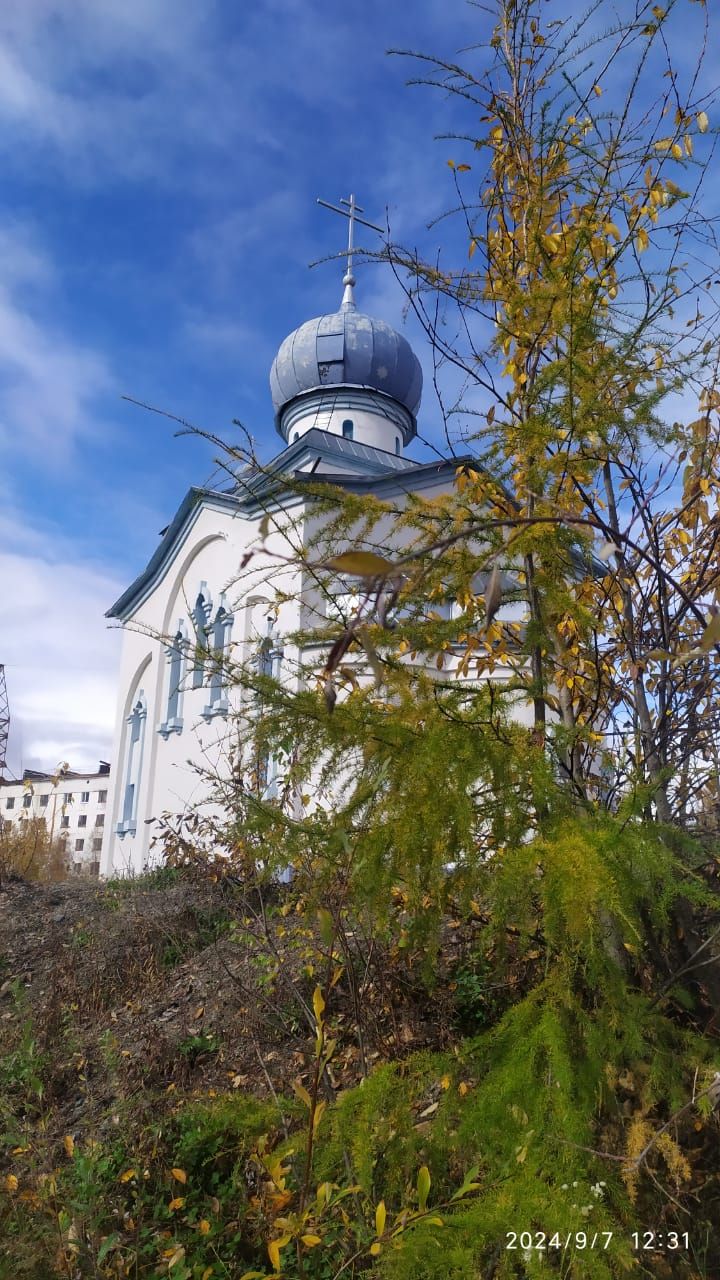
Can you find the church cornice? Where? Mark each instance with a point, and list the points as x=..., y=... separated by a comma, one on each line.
x=173, y=537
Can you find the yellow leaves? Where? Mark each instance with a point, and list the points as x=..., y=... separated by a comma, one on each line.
x=302, y=1093
x=127, y=1175
x=11, y=1184
x=179, y=1175
x=317, y=1117
x=176, y=1203
x=676, y=151
x=360, y=564
x=642, y=240
x=380, y=1218
x=711, y=634
x=703, y=123
x=463, y=168
x=423, y=1187
x=463, y=1088
x=688, y=144
x=274, y=1248
x=174, y=1255
x=69, y=1145
x=597, y=90
x=311, y=1241
x=318, y=1004
x=473, y=247
x=496, y=135
x=204, y=1227
x=612, y=230
x=375, y=1249
x=552, y=241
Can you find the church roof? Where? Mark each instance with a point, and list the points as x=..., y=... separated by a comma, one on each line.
x=354, y=466
x=349, y=349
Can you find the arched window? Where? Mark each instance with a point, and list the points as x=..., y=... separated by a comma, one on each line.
x=200, y=616
x=348, y=429
x=397, y=444
x=176, y=654
x=219, y=647
x=269, y=663
x=134, y=744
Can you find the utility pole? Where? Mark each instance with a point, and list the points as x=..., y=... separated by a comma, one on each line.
x=4, y=720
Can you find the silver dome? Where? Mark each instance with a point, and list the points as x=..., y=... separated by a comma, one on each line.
x=346, y=348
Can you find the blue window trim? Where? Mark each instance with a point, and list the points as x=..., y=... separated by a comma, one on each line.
x=200, y=618
x=217, y=704
x=168, y=727
x=220, y=707
x=134, y=752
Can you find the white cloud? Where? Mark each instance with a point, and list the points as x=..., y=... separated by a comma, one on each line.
x=48, y=383
x=60, y=654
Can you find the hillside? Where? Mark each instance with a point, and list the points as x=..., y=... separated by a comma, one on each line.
x=177, y=1098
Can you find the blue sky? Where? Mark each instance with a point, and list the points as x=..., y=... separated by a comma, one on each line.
x=161, y=162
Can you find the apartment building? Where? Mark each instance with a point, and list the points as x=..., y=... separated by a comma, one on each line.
x=73, y=806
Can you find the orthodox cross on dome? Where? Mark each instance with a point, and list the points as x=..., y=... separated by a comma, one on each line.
x=350, y=212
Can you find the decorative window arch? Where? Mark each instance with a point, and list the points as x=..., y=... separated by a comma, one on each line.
x=269, y=663
x=219, y=634
x=176, y=653
x=134, y=750
x=200, y=617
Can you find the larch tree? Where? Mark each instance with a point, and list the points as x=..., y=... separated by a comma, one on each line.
x=573, y=570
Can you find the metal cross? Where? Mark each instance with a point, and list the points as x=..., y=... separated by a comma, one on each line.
x=350, y=212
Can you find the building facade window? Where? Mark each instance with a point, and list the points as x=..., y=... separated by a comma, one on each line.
x=97, y=846
x=269, y=664
x=102, y=797
x=84, y=797
x=220, y=642
x=79, y=846
x=100, y=820
x=67, y=798
x=200, y=616
x=176, y=654
x=10, y=802
x=82, y=820
x=135, y=742
x=348, y=429
x=64, y=822
x=27, y=801
x=44, y=802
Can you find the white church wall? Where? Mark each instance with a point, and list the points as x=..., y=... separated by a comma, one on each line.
x=190, y=738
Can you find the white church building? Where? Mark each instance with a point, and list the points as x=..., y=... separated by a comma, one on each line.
x=346, y=390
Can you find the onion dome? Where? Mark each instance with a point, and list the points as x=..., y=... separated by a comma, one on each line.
x=352, y=363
